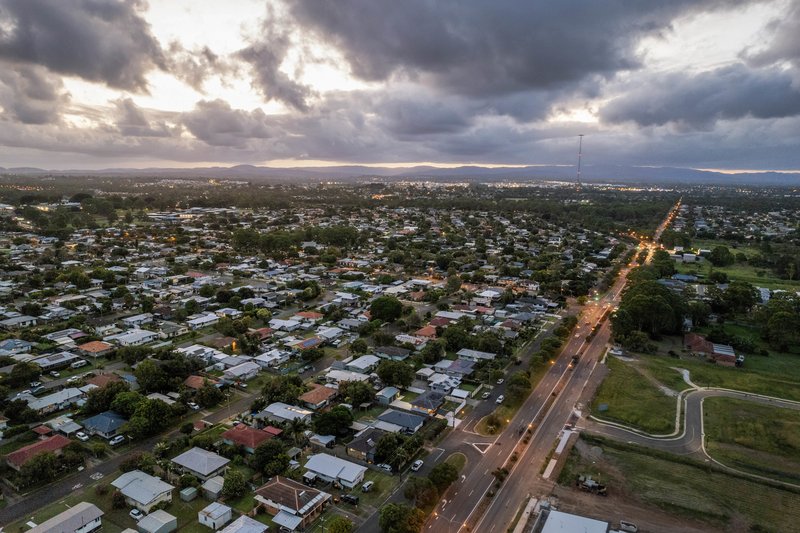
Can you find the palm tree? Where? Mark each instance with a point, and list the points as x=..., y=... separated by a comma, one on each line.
x=296, y=429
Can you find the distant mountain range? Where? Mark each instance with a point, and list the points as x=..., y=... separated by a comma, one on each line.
x=356, y=173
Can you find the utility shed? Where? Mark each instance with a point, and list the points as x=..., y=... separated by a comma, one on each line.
x=158, y=521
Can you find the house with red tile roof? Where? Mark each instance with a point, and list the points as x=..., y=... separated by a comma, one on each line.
x=318, y=397
x=247, y=437
x=96, y=349
x=53, y=444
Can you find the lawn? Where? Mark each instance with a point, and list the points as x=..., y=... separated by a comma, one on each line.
x=633, y=400
x=687, y=488
x=760, y=277
x=754, y=437
x=458, y=459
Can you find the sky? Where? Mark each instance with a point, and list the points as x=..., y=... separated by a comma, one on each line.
x=92, y=84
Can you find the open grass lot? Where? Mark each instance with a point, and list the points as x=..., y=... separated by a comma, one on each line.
x=633, y=400
x=459, y=460
x=758, y=438
x=685, y=488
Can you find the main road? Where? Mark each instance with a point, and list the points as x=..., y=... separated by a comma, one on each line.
x=466, y=506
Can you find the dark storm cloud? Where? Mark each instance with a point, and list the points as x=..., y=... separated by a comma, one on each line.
x=30, y=94
x=481, y=48
x=217, y=124
x=99, y=40
x=701, y=99
x=133, y=121
x=196, y=66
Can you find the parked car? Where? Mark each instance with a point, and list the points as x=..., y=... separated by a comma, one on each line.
x=349, y=498
x=367, y=486
x=193, y=406
x=81, y=436
x=136, y=514
x=116, y=440
x=74, y=379
x=500, y=381
x=37, y=390
x=35, y=384
x=384, y=466
x=55, y=374
x=500, y=399
x=486, y=395
x=417, y=465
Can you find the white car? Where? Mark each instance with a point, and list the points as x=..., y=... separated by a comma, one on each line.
x=136, y=514
x=81, y=436
x=384, y=466
x=55, y=374
x=486, y=395
x=500, y=381
x=193, y=406
x=117, y=440
x=417, y=465
x=500, y=399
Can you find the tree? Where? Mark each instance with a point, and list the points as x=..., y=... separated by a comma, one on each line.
x=453, y=284
x=359, y=346
x=442, y=475
x=234, y=485
x=387, y=447
x=126, y=402
x=270, y=458
x=740, y=296
x=118, y=500
x=356, y=392
x=421, y=491
x=339, y=524
x=518, y=387
x=99, y=400
x=337, y=421
x=150, y=376
x=39, y=469
x=22, y=374
x=399, y=518
x=284, y=389
x=386, y=308
x=433, y=352
x=150, y=417
x=721, y=256
x=209, y=395
x=395, y=373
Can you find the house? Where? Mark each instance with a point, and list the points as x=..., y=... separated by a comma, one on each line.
x=339, y=376
x=272, y=358
x=718, y=353
x=364, y=364
x=392, y=352
x=243, y=372
x=137, y=320
x=245, y=436
x=58, y=400
x=333, y=469
x=201, y=463
x=387, y=395
x=475, y=355
x=197, y=382
x=53, y=444
x=281, y=412
x=284, y=325
x=18, y=322
x=15, y=346
x=54, y=361
x=428, y=402
x=405, y=422
x=158, y=521
x=245, y=524
x=363, y=446
x=64, y=424
x=82, y=517
x=143, y=491
x=202, y=321
x=318, y=397
x=133, y=337
x=292, y=504
x=95, y=349
x=214, y=515
x=105, y=424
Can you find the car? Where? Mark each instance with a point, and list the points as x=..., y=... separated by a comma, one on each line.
x=81, y=436
x=486, y=395
x=384, y=466
x=116, y=440
x=136, y=514
x=73, y=379
x=500, y=381
x=500, y=399
x=35, y=384
x=349, y=498
x=417, y=465
x=193, y=406
x=37, y=390
x=55, y=374
x=367, y=486
x=26, y=391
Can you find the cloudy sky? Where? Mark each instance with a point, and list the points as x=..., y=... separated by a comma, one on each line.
x=181, y=83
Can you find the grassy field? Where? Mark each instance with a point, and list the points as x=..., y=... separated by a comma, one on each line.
x=633, y=400
x=685, y=488
x=758, y=438
x=458, y=459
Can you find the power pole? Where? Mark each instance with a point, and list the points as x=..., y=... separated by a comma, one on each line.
x=580, y=153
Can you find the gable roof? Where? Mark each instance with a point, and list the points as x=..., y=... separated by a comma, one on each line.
x=70, y=520
x=201, y=461
x=141, y=487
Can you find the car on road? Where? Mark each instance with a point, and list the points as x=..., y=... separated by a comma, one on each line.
x=486, y=395
x=81, y=436
x=193, y=406
x=55, y=374
x=74, y=379
x=500, y=399
x=384, y=466
x=367, y=486
x=417, y=465
x=500, y=381
x=116, y=440
x=306, y=368
x=136, y=514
